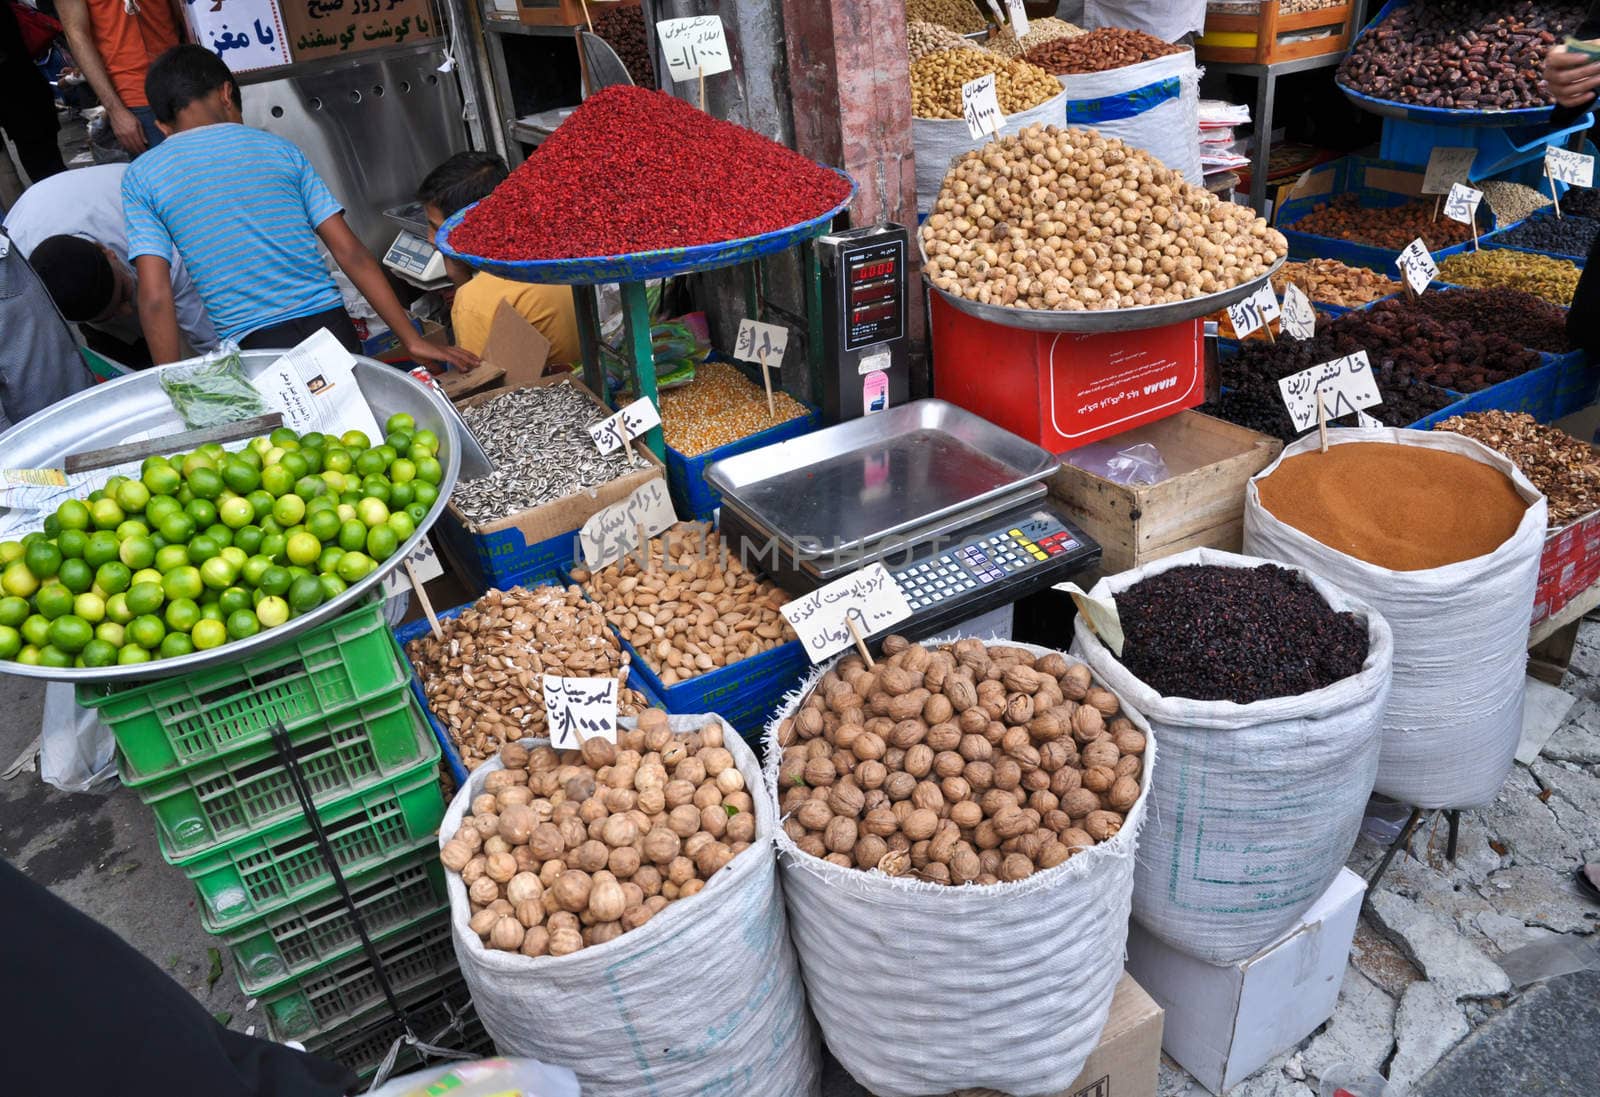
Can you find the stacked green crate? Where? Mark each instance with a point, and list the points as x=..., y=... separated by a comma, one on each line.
x=198, y=750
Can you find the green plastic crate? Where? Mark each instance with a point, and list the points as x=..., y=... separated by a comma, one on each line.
x=318, y=929
x=214, y=802
x=363, y=1045
x=162, y=725
x=418, y=955
x=258, y=875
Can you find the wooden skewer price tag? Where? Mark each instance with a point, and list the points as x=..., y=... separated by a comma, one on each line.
x=623, y=427
x=1462, y=205
x=578, y=709
x=980, y=106
x=1299, y=317
x=1576, y=169
x=1342, y=386
x=762, y=344
x=1417, y=265
x=832, y=617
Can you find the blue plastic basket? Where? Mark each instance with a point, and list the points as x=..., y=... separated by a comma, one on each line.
x=1499, y=148
x=503, y=558
x=696, y=500
x=639, y=266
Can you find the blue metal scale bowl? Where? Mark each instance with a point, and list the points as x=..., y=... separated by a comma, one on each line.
x=639, y=266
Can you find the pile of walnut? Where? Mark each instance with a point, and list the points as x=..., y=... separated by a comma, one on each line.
x=568, y=849
x=971, y=764
x=485, y=679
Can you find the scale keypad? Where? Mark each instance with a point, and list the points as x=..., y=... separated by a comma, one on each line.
x=983, y=560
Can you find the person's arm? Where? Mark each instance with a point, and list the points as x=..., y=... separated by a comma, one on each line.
x=158, y=316
x=74, y=16
x=358, y=263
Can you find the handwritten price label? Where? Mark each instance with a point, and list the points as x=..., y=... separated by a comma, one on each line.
x=1368, y=422
x=1255, y=311
x=1417, y=265
x=576, y=709
x=631, y=422
x=1573, y=168
x=612, y=533
x=870, y=597
x=981, y=107
x=1019, y=18
x=1346, y=384
x=1299, y=318
x=694, y=47
x=1446, y=167
x=424, y=561
x=1462, y=205
x=757, y=340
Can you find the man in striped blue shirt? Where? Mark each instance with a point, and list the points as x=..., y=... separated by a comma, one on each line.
x=244, y=209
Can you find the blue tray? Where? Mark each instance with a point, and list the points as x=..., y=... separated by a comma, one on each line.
x=697, y=500
x=639, y=266
x=1499, y=149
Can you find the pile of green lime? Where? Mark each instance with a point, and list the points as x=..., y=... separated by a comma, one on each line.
x=212, y=546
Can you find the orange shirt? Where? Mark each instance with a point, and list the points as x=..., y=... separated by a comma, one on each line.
x=128, y=43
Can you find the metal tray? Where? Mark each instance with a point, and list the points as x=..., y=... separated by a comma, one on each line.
x=858, y=482
x=107, y=414
x=1103, y=320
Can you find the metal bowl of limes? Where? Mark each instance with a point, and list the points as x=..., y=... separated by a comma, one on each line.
x=135, y=408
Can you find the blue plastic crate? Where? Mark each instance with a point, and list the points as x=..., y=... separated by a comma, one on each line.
x=1577, y=385
x=695, y=499
x=745, y=693
x=1499, y=148
x=503, y=558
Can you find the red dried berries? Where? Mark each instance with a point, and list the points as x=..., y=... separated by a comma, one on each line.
x=636, y=170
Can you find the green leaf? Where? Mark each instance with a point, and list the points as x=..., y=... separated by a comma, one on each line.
x=216, y=967
x=730, y=809
x=224, y=1018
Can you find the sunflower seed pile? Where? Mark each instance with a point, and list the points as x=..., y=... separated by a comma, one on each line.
x=540, y=444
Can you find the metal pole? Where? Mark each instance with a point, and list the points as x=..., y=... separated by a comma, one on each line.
x=638, y=347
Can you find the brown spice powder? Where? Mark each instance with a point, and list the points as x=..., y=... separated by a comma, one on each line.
x=1404, y=508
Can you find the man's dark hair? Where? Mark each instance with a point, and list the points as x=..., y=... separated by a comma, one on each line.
x=462, y=180
x=77, y=275
x=180, y=76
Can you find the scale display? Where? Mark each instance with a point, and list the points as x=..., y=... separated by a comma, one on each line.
x=864, y=321
x=414, y=258
x=875, y=291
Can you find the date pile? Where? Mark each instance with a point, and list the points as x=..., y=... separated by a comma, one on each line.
x=965, y=764
x=1391, y=227
x=1521, y=317
x=564, y=850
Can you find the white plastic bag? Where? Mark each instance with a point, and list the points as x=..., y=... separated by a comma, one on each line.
x=938, y=141
x=1168, y=20
x=76, y=750
x=1255, y=807
x=705, y=998
x=484, y=1078
x=921, y=988
x=1460, y=636
x=1154, y=106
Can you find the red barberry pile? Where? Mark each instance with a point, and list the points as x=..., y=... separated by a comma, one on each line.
x=637, y=170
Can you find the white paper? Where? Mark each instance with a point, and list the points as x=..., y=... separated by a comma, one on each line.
x=694, y=47
x=1462, y=205
x=1255, y=311
x=625, y=426
x=424, y=561
x=612, y=533
x=1019, y=18
x=870, y=597
x=1346, y=384
x=1417, y=265
x=756, y=338
x=246, y=34
x=980, y=106
x=314, y=386
x=575, y=707
x=1573, y=168
x=1447, y=166
x=1299, y=317
x=1100, y=613
x=1365, y=420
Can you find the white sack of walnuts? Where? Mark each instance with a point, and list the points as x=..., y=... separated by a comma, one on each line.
x=925, y=988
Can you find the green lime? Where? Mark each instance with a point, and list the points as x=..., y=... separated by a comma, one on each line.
x=242, y=624
x=171, y=556
x=337, y=459
x=272, y=545
x=332, y=586
x=313, y=460
x=254, y=568
x=371, y=463
x=137, y=552
x=182, y=614
x=52, y=656
x=18, y=580
x=277, y=480
x=70, y=633
x=147, y=575
x=131, y=528
x=177, y=528
x=133, y=496
x=13, y=610
x=430, y=471
x=202, y=548
x=199, y=459
x=398, y=440
x=36, y=630
x=275, y=580
x=102, y=547
x=234, y=555
x=283, y=434
x=376, y=487
x=402, y=495
x=248, y=540
x=272, y=611
x=218, y=573
x=11, y=550
x=313, y=439
x=210, y=611
x=52, y=527
x=161, y=479
x=43, y=559
x=202, y=511
x=112, y=632
x=417, y=512
x=184, y=496
x=105, y=514
x=234, y=599
x=402, y=471
x=10, y=642
x=270, y=525
x=425, y=438
x=99, y=653
x=296, y=464
x=329, y=560
x=303, y=549
x=182, y=582
x=305, y=595
x=236, y=513
x=252, y=457
x=400, y=420
x=221, y=534
x=381, y=543
x=160, y=509
x=131, y=654
x=147, y=631
x=73, y=515
x=90, y=606
x=76, y=576
x=289, y=509
x=309, y=487
x=240, y=475
x=113, y=577
x=372, y=512
x=353, y=535
x=53, y=601
x=354, y=439
x=29, y=655
x=325, y=502
x=350, y=497
x=261, y=502
x=335, y=482
x=117, y=611
x=402, y=524
x=427, y=491
x=175, y=644
x=354, y=565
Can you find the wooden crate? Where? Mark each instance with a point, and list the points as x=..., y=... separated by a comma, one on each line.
x=1253, y=39
x=1200, y=505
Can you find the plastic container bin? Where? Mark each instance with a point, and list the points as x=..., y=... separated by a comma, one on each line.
x=162, y=725
x=696, y=500
x=1499, y=148
x=363, y=1044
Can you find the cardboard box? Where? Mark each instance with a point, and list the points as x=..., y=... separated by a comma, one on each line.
x=1200, y=506
x=1224, y=1023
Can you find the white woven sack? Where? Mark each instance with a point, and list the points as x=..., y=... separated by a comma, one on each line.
x=705, y=998
x=1255, y=807
x=1168, y=128
x=938, y=141
x=922, y=988
x=1460, y=636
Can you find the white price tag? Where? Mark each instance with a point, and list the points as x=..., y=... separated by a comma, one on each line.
x=870, y=597
x=1101, y=614
x=1366, y=421
x=1447, y=166
x=1346, y=384
x=1462, y=205
x=1255, y=311
x=1573, y=168
x=613, y=532
x=694, y=47
x=756, y=338
x=424, y=561
x=576, y=709
x=632, y=422
x=1417, y=265
x=1019, y=18
x=981, y=107
x=1299, y=317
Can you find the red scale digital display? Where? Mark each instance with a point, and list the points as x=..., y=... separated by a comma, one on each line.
x=874, y=292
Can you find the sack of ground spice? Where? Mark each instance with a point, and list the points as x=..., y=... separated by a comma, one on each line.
x=1265, y=686
x=1442, y=536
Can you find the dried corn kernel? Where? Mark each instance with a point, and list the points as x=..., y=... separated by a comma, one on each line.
x=720, y=406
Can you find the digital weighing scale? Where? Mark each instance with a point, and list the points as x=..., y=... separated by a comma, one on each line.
x=864, y=320
x=954, y=507
x=412, y=255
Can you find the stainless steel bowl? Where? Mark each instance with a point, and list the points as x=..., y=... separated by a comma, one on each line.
x=109, y=414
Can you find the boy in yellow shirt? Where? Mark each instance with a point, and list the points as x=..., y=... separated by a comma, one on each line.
x=453, y=185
